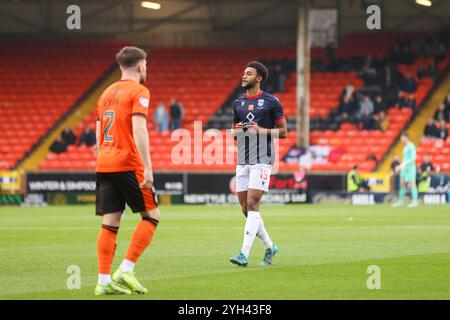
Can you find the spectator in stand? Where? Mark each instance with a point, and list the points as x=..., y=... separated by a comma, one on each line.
x=430, y=130
x=176, y=114
x=87, y=138
x=408, y=84
x=389, y=78
x=441, y=113
x=410, y=102
x=383, y=121
x=379, y=104
x=400, y=100
x=346, y=107
x=426, y=165
x=394, y=164
x=161, y=118
x=422, y=73
x=368, y=70
x=349, y=91
x=367, y=121
x=366, y=104
x=442, y=132
x=68, y=136
x=58, y=146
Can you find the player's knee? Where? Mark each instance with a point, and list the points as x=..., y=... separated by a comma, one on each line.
x=112, y=220
x=252, y=204
x=151, y=216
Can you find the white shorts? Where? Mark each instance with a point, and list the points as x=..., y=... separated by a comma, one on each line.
x=253, y=176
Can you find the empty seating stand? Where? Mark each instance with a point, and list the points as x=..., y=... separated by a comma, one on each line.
x=39, y=83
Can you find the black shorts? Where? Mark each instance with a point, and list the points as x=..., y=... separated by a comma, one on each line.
x=115, y=189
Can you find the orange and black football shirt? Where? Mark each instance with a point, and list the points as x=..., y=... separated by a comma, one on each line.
x=115, y=108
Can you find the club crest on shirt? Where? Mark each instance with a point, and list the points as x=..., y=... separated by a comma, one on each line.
x=260, y=103
x=143, y=101
x=250, y=107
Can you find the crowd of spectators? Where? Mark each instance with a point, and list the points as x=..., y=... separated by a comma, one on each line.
x=384, y=85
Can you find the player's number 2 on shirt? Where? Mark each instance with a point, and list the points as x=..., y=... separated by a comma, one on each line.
x=108, y=116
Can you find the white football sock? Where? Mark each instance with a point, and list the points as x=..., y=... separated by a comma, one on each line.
x=127, y=265
x=104, y=279
x=250, y=231
x=264, y=236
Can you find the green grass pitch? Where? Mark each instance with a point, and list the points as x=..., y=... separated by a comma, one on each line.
x=325, y=251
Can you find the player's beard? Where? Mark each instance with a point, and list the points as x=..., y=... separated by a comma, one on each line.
x=249, y=85
x=142, y=78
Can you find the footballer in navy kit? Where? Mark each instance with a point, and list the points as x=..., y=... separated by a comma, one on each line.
x=258, y=118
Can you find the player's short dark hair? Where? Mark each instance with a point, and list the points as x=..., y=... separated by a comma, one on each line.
x=405, y=134
x=260, y=68
x=130, y=56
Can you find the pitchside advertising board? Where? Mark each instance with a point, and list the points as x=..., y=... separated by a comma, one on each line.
x=221, y=189
x=373, y=198
x=79, y=188
x=76, y=188
x=196, y=188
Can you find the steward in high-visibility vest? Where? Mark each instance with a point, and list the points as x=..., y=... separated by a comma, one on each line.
x=424, y=182
x=353, y=180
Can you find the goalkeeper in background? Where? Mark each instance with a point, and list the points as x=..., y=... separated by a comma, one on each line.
x=408, y=173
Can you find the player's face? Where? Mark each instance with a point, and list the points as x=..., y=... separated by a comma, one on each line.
x=249, y=78
x=142, y=68
x=404, y=139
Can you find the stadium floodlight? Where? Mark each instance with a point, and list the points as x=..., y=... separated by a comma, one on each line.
x=151, y=5
x=426, y=3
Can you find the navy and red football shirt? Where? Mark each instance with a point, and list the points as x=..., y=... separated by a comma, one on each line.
x=264, y=109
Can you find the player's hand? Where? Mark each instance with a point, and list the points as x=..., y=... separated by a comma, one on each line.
x=253, y=127
x=148, y=179
x=96, y=149
x=399, y=168
x=239, y=128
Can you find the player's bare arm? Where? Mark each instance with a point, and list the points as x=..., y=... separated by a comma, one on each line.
x=141, y=140
x=97, y=136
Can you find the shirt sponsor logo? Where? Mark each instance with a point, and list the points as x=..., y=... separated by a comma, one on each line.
x=250, y=116
x=144, y=102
